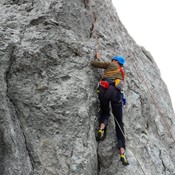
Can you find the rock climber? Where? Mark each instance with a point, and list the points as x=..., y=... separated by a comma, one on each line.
x=110, y=90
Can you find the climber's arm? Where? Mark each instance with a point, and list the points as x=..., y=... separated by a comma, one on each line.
x=98, y=64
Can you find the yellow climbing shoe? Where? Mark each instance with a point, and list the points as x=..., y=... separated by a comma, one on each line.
x=124, y=160
x=100, y=135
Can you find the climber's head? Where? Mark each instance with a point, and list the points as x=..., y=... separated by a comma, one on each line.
x=120, y=59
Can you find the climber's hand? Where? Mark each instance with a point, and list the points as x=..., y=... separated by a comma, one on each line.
x=97, y=56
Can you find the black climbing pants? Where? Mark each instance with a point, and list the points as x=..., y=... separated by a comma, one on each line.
x=113, y=96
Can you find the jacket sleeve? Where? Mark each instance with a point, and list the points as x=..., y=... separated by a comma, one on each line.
x=98, y=64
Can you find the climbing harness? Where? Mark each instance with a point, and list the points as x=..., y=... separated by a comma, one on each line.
x=104, y=84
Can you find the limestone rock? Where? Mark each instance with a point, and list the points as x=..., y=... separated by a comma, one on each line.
x=49, y=106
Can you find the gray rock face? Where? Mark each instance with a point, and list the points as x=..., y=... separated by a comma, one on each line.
x=49, y=105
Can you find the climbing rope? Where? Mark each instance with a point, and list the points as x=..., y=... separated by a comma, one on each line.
x=130, y=147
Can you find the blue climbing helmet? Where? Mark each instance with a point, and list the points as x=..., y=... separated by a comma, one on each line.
x=120, y=59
